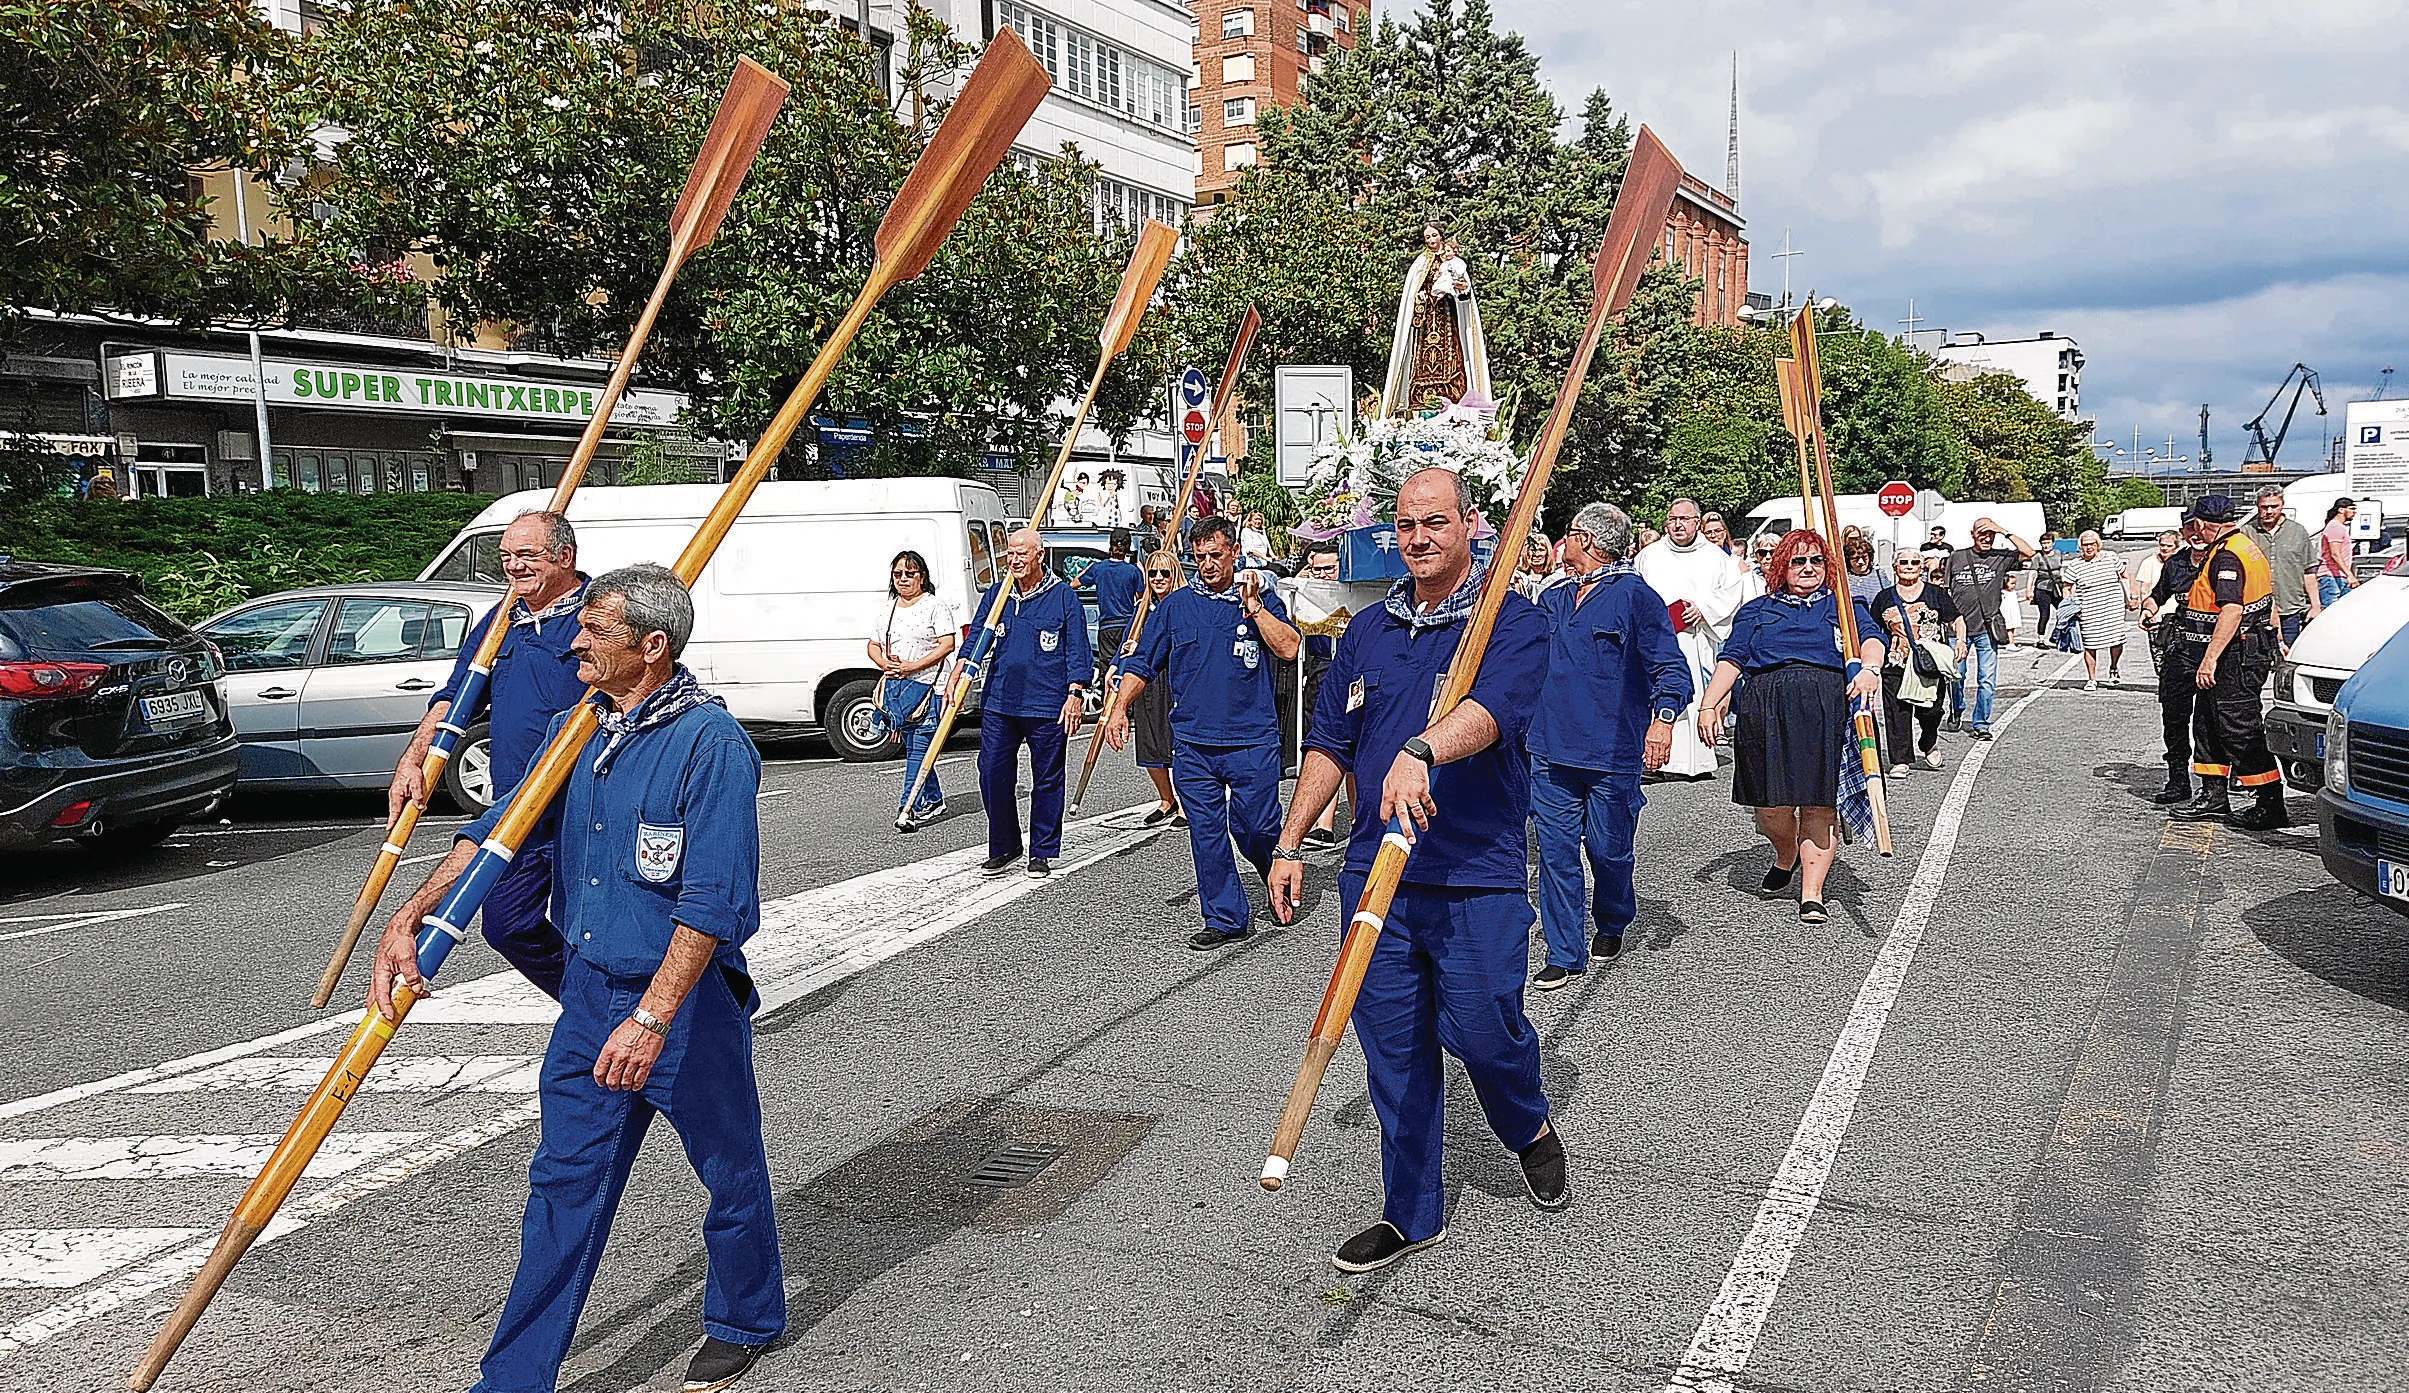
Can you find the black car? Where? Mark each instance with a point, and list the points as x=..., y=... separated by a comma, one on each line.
x=113, y=725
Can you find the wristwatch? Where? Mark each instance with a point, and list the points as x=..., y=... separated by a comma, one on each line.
x=1668, y=714
x=646, y=1020
x=1420, y=749
x=1288, y=853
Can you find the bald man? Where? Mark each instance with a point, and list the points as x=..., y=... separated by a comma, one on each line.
x=1036, y=695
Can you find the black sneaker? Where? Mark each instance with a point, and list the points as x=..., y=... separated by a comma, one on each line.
x=1778, y=879
x=1955, y=722
x=718, y=1364
x=1811, y=912
x=1180, y=818
x=1551, y=977
x=1211, y=939
x=1543, y=1170
x=1040, y=868
x=1157, y=816
x=1606, y=945
x=996, y=865
x=1982, y=735
x=1377, y=1247
x=1321, y=836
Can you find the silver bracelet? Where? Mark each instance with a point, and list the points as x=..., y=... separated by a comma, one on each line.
x=646, y=1020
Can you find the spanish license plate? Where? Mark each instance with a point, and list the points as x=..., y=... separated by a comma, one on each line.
x=173, y=707
x=2392, y=879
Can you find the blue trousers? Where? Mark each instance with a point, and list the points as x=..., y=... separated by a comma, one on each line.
x=1000, y=739
x=1447, y=974
x=1576, y=810
x=2330, y=589
x=1983, y=655
x=1228, y=789
x=703, y=1082
x=902, y=695
x=516, y=916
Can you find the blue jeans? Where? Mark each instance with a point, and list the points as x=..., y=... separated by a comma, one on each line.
x=902, y=695
x=2330, y=589
x=517, y=916
x=703, y=1083
x=1578, y=810
x=1984, y=655
x=1447, y=974
x=1228, y=789
x=1000, y=739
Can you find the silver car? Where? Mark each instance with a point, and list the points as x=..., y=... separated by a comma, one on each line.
x=326, y=685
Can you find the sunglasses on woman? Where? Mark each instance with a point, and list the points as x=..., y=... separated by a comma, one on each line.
x=1160, y=575
x=1801, y=563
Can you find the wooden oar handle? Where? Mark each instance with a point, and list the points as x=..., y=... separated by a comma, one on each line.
x=234, y=1241
x=1338, y=1000
x=964, y=675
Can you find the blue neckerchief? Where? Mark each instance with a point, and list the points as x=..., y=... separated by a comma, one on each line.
x=1622, y=567
x=1784, y=596
x=567, y=604
x=665, y=703
x=1455, y=609
x=1227, y=597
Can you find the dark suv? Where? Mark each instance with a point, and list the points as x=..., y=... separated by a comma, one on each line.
x=113, y=726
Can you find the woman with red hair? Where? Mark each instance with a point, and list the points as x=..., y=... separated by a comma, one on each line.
x=1793, y=747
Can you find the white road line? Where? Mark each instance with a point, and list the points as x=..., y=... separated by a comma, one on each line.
x=423, y=1073
x=317, y=827
x=181, y=1264
x=63, y=922
x=418, y=860
x=1728, y=1333
x=60, y=1259
x=176, y=1158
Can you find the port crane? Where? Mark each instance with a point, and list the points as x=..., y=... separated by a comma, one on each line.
x=2263, y=449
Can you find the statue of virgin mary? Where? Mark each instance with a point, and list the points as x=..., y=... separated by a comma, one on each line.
x=1439, y=357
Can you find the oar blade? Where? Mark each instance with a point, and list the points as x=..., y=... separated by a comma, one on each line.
x=1228, y=390
x=970, y=142
x=1638, y=222
x=745, y=111
x=1785, y=381
x=1146, y=262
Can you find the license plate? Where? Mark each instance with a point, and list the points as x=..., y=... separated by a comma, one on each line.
x=2321, y=744
x=2392, y=880
x=173, y=707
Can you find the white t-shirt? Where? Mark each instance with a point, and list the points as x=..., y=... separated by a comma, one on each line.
x=916, y=630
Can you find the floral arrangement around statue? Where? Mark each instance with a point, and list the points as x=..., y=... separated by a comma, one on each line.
x=1355, y=478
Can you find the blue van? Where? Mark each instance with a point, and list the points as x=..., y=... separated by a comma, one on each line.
x=2363, y=810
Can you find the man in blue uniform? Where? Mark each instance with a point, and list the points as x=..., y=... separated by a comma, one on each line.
x=1036, y=693
x=1115, y=583
x=1214, y=640
x=656, y=884
x=534, y=679
x=1616, y=683
x=1448, y=969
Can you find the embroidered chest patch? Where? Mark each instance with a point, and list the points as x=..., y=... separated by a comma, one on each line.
x=658, y=850
x=1048, y=640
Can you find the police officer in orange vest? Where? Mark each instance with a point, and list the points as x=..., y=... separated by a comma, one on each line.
x=2229, y=634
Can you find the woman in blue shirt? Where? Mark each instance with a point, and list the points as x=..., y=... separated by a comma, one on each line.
x=1793, y=727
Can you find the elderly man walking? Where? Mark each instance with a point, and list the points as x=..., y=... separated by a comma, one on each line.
x=655, y=903
x=1036, y=696
x=534, y=679
x=1617, y=683
x=1701, y=586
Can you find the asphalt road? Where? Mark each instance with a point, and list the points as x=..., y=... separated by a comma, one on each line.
x=2061, y=1098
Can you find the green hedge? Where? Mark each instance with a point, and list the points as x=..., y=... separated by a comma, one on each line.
x=199, y=555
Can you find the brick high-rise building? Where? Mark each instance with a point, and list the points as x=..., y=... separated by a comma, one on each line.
x=1252, y=54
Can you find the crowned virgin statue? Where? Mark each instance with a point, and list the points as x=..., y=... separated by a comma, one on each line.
x=1438, y=358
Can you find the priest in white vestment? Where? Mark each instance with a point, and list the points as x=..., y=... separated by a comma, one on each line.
x=1702, y=586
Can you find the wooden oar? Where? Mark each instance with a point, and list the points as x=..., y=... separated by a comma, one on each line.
x=751, y=102
x=1225, y=399
x=1146, y=262
x=992, y=107
x=1632, y=235
x=1786, y=381
x=1809, y=374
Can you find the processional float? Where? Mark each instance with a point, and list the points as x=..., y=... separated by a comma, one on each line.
x=993, y=105
x=1632, y=235
x=751, y=102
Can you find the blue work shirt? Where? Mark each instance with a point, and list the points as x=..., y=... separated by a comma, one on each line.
x=1044, y=651
x=1377, y=695
x=534, y=679
x=1217, y=664
x=1767, y=633
x=1612, y=663
x=668, y=835
x=1116, y=584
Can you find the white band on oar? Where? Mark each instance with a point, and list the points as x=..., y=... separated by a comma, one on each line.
x=480, y=671
x=1275, y=1169
x=447, y=725
x=1365, y=916
x=445, y=927
x=496, y=848
x=1397, y=840
x=395, y=850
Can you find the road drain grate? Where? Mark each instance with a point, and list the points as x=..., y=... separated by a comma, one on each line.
x=1014, y=1166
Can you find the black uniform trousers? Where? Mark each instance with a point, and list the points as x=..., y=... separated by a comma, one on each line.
x=2176, y=698
x=2229, y=730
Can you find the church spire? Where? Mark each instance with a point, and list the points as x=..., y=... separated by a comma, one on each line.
x=1731, y=159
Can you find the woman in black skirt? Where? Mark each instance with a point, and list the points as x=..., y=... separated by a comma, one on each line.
x=1150, y=714
x=1784, y=655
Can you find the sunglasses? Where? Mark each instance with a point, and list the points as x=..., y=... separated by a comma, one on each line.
x=1160, y=575
x=1801, y=563
x=906, y=571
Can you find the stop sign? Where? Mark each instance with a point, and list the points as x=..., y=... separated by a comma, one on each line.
x=1193, y=427
x=1897, y=499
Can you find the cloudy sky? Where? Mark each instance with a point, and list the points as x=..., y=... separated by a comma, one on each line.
x=2201, y=193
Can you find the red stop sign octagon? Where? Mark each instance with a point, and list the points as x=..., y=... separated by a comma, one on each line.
x=1193, y=427
x=1897, y=499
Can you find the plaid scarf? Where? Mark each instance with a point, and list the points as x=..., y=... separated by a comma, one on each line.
x=665, y=703
x=1227, y=597
x=1455, y=609
x=567, y=605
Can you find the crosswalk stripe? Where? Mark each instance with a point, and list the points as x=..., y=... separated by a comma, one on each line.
x=428, y=1073
x=178, y=1157
x=63, y=1258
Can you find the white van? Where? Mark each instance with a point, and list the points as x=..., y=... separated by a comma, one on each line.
x=1779, y=514
x=783, y=611
x=2328, y=651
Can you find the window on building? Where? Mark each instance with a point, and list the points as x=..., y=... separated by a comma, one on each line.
x=1339, y=18
x=1304, y=41
x=1093, y=70
x=1238, y=111
x=1237, y=24
x=1240, y=155
x=1238, y=67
